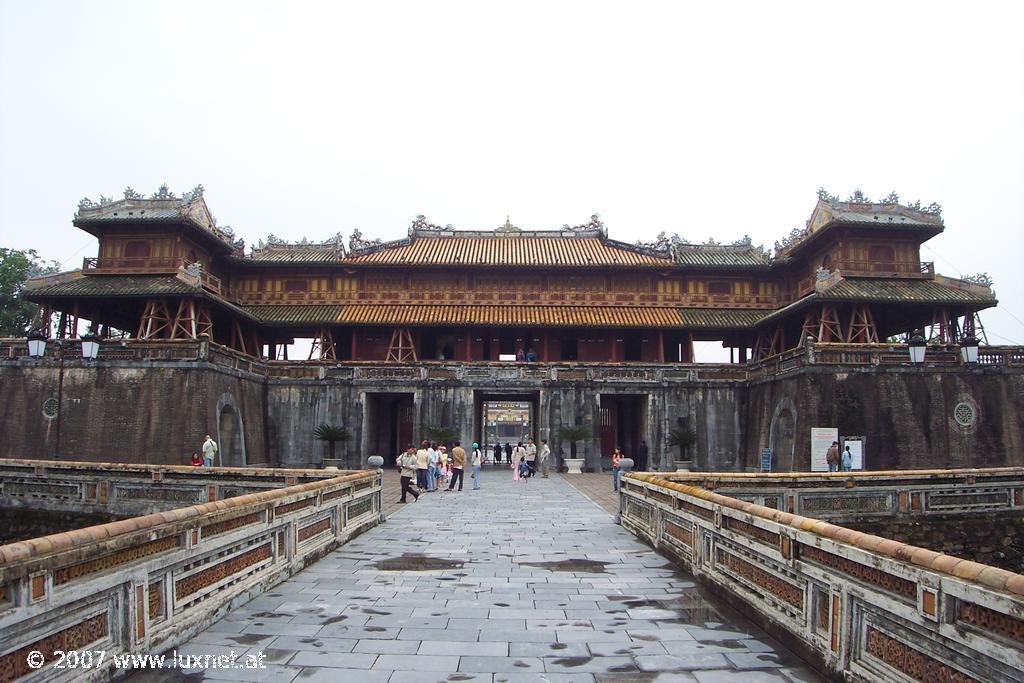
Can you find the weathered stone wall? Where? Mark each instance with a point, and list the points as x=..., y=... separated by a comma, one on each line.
x=156, y=413
x=991, y=538
x=18, y=524
x=907, y=415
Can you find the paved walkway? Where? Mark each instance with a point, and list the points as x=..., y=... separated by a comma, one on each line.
x=516, y=583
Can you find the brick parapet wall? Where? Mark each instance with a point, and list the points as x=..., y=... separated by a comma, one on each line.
x=863, y=606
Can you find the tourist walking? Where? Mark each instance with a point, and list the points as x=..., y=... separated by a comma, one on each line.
x=209, y=451
x=531, y=457
x=515, y=470
x=847, y=460
x=407, y=462
x=616, y=472
x=422, y=461
x=458, y=465
x=445, y=467
x=497, y=454
x=544, y=456
x=832, y=457
x=508, y=452
x=478, y=460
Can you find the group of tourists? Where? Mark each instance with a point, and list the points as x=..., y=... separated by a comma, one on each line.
x=431, y=466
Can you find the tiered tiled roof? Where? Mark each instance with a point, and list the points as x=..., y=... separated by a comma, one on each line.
x=515, y=249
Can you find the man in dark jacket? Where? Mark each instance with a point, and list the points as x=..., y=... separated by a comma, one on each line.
x=508, y=452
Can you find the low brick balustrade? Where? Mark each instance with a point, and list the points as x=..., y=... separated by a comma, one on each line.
x=147, y=583
x=863, y=607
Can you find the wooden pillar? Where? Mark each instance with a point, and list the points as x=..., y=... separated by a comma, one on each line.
x=355, y=338
x=469, y=343
x=661, y=346
x=544, y=345
x=615, y=345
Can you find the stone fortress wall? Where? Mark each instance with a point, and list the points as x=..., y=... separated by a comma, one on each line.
x=155, y=402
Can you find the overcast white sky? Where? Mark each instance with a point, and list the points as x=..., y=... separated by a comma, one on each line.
x=706, y=119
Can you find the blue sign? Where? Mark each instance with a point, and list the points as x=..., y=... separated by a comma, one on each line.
x=766, y=460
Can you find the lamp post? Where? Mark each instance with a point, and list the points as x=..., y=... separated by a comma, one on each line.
x=969, y=349
x=917, y=344
x=625, y=467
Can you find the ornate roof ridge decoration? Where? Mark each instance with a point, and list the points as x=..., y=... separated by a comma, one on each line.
x=275, y=243
x=422, y=227
x=665, y=246
x=358, y=245
x=858, y=201
x=191, y=206
x=859, y=208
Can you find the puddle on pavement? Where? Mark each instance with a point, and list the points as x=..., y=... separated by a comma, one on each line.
x=268, y=615
x=559, y=646
x=416, y=562
x=571, y=565
x=333, y=620
x=377, y=612
x=247, y=638
x=460, y=677
x=570, y=662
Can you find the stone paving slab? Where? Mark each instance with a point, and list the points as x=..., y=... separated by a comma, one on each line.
x=516, y=583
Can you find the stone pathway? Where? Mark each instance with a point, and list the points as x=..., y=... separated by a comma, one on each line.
x=516, y=583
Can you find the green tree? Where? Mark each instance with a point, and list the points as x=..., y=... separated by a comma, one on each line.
x=331, y=434
x=572, y=434
x=16, y=267
x=682, y=438
x=441, y=434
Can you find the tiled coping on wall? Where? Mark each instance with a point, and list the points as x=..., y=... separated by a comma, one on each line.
x=864, y=607
x=873, y=495
x=146, y=584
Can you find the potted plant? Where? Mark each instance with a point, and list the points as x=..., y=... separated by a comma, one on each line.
x=682, y=437
x=331, y=434
x=572, y=434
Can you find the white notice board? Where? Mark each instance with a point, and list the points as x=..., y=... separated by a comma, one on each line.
x=821, y=440
x=856, y=452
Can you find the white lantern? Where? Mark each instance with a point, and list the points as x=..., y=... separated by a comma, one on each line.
x=90, y=346
x=36, y=344
x=969, y=349
x=917, y=345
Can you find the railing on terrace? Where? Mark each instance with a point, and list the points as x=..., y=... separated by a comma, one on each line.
x=151, y=265
x=187, y=350
x=497, y=298
x=146, y=584
x=865, y=607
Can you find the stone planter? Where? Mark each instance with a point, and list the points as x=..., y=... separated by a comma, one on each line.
x=683, y=465
x=575, y=465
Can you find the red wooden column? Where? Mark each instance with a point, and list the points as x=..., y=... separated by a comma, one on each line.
x=544, y=345
x=355, y=338
x=469, y=343
x=661, y=346
x=615, y=345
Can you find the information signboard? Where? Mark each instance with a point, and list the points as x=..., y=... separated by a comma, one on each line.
x=766, y=460
x=821, y=439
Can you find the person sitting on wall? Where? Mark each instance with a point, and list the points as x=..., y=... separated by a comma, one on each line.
x=197, y=460
x=531, y=356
